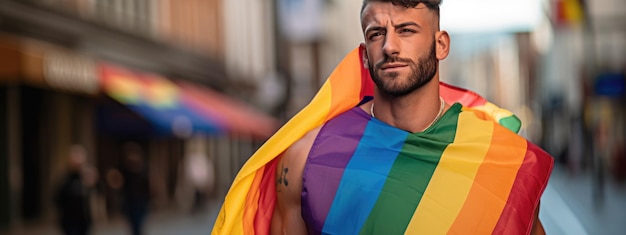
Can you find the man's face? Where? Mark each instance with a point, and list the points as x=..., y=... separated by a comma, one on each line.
x=400, y=44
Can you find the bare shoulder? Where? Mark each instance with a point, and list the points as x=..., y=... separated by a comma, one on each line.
x=300, y=149
x=292, y=162
x=287, y=218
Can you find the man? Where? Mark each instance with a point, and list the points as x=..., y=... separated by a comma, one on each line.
x=135, y=187
x=72, y=196
x=406, y=162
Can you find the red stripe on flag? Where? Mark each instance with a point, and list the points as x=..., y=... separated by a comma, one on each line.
x=267, y=199
x=453, y=94
x=532, y=178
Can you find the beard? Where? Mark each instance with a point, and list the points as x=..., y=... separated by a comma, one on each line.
x=421, y=73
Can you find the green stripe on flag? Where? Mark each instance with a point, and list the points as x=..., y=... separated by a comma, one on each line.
x=512, y=123
x=409, y=177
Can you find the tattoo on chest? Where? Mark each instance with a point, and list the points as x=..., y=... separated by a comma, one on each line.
x=282, y=179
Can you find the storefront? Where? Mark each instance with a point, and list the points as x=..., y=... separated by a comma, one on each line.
x=53, y=98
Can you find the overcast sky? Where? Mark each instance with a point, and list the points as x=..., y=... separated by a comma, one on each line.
x=462, y=16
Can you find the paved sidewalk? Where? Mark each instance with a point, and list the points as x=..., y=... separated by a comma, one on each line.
x=158, y=223
x=568, y=206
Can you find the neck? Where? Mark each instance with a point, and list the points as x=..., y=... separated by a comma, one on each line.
x=414, y=112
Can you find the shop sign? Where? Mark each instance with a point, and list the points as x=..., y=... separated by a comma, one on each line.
x=70, y=72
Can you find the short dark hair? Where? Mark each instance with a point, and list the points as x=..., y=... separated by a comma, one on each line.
x=432, y=5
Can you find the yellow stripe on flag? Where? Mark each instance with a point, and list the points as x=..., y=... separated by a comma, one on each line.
x=233, y=209
x=453, y=178
x=573, y=11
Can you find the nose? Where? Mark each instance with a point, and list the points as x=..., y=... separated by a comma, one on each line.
x=391, y=47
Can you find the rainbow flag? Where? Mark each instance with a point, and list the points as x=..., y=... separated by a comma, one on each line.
x=249, y=204
x=460, y=176
x=569, y=12
x=159, y=100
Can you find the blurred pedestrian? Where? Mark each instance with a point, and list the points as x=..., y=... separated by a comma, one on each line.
x=199, y=172
x=132, y=179
x=72, y=197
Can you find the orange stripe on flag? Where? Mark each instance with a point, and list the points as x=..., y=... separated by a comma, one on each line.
x=252, y=204
x=345, y=84
x=492, y=184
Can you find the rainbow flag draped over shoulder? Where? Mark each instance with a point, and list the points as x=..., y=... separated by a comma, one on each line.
x=249, y=204
x=462, y=175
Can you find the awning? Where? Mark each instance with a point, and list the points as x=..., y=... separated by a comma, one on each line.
x=182, y=108
x=238, y=118
x=158, y=100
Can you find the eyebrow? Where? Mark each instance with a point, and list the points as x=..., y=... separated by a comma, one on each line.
x=402, y=25
x=407, y=24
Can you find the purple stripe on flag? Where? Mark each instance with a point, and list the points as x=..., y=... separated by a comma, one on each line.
x=316, y=204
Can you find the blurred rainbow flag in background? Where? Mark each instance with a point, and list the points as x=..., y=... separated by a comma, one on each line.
x=158, y=100
x=569, y=12
x=183, y=108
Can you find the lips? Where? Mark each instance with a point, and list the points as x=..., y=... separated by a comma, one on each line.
x=392, y=66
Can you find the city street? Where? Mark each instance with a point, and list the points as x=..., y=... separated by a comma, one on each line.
x=161, y=223
x=110, y=108
x=567, y=208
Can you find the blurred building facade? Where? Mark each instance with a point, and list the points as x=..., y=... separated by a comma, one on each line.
x=165, y=74
x=582, y=75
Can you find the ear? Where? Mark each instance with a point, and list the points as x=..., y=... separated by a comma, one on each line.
x=364, y=58
x=443, y=44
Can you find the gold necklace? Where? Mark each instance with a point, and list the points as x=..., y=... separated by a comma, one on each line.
x=439, y=114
